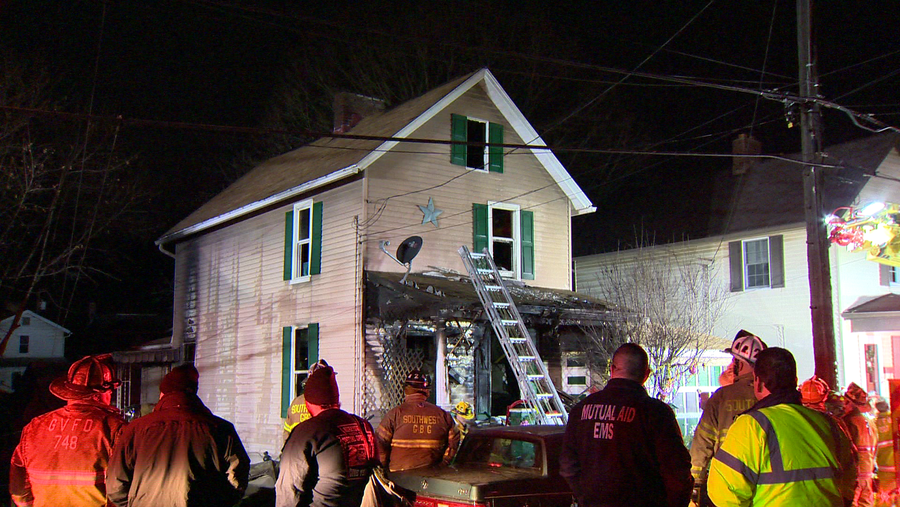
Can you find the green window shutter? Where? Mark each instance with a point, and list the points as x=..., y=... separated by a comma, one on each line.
x=287, y=372
x=479, y=227
x=315, y=261
x=458, y=132
x=495, y=153
x=312, y=336
x=527, y=224
x=288, y=244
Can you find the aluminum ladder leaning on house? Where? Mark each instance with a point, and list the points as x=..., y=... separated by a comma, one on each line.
x=531, y=373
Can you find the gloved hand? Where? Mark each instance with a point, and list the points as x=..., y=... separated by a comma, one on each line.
x=695, y=496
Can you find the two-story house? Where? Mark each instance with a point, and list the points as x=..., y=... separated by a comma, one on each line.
x=286, y=265
x=35, y=339
x=753, y=244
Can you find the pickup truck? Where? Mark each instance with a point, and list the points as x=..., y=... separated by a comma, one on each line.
x=496, y=467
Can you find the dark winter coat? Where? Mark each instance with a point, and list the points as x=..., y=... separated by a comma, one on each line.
x=624, y=448
x=181, y=455
x=326, y=462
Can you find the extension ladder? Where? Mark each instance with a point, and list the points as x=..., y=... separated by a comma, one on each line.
x=534, y=382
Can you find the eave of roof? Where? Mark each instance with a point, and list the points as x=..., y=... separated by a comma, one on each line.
x=362, y=153
x=888, y=304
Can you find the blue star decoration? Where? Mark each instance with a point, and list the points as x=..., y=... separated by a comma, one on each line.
x=431, y=214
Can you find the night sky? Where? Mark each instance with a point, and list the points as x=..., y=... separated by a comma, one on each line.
x=219, y=62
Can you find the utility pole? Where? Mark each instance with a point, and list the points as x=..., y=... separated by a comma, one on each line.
x=816, y=232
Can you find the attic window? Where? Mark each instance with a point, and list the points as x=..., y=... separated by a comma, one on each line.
x=26, y=321
x=475, y=153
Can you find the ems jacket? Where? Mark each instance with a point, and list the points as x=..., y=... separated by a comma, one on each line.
x=865, y=439
x=624, y=448
x=782, y=453
x=326, y=462
x=62, y=456
x=417, y=434
x=719, y=412
x=180, y=455
x=884, y=452
x=297, y=413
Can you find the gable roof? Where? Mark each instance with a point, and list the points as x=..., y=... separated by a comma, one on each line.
x=5, y=323
x=770, y=193
x=331, y=159
x=888, y=303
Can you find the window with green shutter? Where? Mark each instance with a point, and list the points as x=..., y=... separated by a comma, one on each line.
x=508, y=234
x=300, y=350
x=471, y=149
x=303, y=241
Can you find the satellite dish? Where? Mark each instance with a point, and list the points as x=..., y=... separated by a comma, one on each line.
x=409, y=249
x=406, y=252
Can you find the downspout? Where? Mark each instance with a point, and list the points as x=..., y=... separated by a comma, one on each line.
x=163, y=250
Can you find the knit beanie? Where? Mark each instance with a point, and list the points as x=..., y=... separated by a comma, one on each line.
x=184, y=378
x=321, y=387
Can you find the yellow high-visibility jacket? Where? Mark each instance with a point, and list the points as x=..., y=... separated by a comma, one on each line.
x=782, y=453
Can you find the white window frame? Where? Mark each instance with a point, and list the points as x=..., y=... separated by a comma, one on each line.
x=294, y=371
x=516, y=240
x=296, y=262
x=747, y=264
x=487, y=139
x=894, y=278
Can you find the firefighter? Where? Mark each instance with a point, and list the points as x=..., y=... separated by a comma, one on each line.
x=780, y=452
x=722, y=408
x=297, y=412
x=884, y=457
x=864, y=438
x=463, y=414
x=62, y=455
x=416, y=433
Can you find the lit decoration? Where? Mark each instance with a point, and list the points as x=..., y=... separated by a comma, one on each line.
x=874, y=229
x=430, y=213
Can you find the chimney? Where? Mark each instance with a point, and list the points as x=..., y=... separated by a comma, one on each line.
x=351, y=108
x=744, y=145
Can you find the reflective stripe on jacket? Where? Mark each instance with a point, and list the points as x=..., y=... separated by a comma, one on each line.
x=864, y=438
x=62, y=456
x=417, y=434
x=884, y=449
x=782, y=454
x=297, y=413
x=719, y=413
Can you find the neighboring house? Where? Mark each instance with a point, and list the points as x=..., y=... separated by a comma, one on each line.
x=754, y=241
x=36, y=339
x=285, y=266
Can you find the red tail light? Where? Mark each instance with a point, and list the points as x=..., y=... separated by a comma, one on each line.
x=424, y=501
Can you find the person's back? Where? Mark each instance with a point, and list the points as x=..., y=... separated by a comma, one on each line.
x=624, y=448
x=62, y=455
x=333, y=454
x=780, y=452
x=884, y=456
x=416, y=433
x=179, y=455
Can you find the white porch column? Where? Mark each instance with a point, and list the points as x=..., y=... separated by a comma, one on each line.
x=441, y=374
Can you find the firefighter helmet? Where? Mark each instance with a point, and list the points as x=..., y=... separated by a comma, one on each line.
x=464, y=410
x=418, y=380
x=746, y=346
x=87, y=376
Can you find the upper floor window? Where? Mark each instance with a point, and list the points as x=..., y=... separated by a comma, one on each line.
x=475, y=153
x=303, y=241
x=300, y=350
x=757, y=263
x=26, y=321
x=508, y=234
x=23, y=344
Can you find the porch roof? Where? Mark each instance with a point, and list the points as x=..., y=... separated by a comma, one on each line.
x=434, y=295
